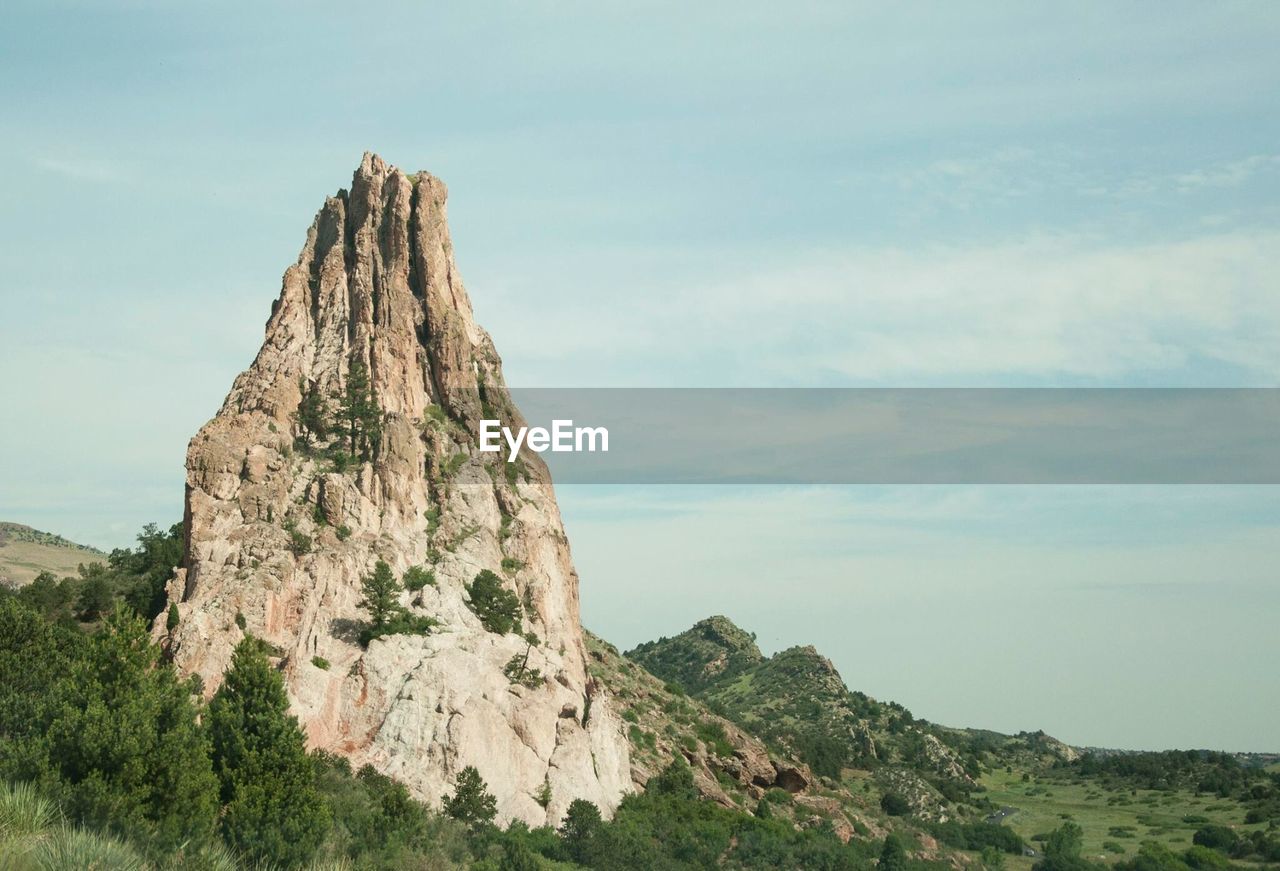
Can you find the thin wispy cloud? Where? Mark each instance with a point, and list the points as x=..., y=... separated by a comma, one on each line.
x=85, y=169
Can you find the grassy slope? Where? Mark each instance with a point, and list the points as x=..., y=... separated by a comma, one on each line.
x=26, y=552
x=1044, y=804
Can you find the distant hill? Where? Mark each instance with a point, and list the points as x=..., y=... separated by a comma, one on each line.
x=26, y=552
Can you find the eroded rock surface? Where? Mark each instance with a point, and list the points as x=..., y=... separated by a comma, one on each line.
x=280, y=533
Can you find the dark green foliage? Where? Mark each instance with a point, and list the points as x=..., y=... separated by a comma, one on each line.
x=580, y=831
x=518, y=671
x=1215, y=837
x=378, y=825
x=977, y=836
x=320, y=662
x=97, y=597
x=1062, y=849
x=894, y=804
x=134, y=579
x=495, y=605
x=105, y=727
x=471, y=802
x=402, y=623
x=685, y=658
x=141, y=573
x=312, y=417
x=1201, y=770
x=274, y=811
x=299, y=542
x=713, y=735
x=381, y=595
x=173, y=619
x=388, y=617
x=893, y=855
x=417, y=577
x=343, y=532
x=359, y=412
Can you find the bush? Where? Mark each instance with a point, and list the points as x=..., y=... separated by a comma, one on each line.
x=417, y=577
x=1215, y=837
x=343, y=532
x=894, y=804
x=320, y=662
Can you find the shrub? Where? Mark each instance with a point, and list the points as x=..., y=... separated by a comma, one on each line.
x=894, y=804
x=417, y=577
x=1215, y=837
x=320, y=662
x=518, y=672
x=299, y=542
x=343, y=532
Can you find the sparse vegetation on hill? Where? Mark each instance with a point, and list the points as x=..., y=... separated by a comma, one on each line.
x=25, y=553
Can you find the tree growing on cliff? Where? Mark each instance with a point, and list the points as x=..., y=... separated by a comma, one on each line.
x=495, y=605
x=381, y=593
x=274, y=812
x=313, y=413
x=471, y=802
x=359, y=412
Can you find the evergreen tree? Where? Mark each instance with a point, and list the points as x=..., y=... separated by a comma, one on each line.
x=381, y=595
x=96, y=594
x=495, y=605
x=172, y=620
x=471, y=803
x=313, y=412
x=274, y=811
x=359, y=411
x=125, y=744
x=893, y=856
x=580, y=830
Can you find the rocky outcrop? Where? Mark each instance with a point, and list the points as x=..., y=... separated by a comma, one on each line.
x=283, y=526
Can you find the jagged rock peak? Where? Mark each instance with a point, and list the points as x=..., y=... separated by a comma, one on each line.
x=290, y=505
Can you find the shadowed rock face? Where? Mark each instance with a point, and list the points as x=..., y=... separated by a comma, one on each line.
x=376, y=285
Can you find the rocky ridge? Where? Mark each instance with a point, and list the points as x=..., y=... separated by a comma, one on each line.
x=283, y=526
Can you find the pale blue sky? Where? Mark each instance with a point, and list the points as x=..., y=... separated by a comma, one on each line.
x=709, y=194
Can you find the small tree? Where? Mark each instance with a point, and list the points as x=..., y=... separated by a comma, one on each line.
x=359, y=411
x=471, y=802
x=274, y=810
x=96, y=595
x=313, y=412
x=171, y=622
x=893, y=856
x=381, y=592
x=580, y=830
x=495, y=605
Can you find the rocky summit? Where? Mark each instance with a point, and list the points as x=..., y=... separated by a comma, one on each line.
x=350, y=441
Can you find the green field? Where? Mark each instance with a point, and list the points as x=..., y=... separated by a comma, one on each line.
x=1121, y=818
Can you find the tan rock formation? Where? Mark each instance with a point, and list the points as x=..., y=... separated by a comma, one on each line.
x=280, y=536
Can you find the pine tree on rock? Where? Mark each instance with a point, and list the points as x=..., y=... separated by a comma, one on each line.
x=471, y=803
x=313, y=413
x=274, y=811
x=381, y=595
x=359, y=412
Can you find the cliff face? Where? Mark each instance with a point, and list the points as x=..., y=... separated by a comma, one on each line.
x=282, y=528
